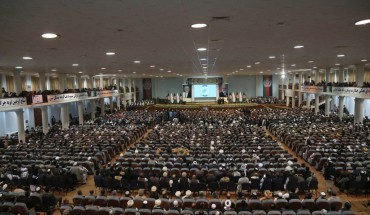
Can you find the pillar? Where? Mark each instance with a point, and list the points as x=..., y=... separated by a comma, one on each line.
x=359, y=110
x=360, y=74
x=79, y=84
x=64, y=112
x=287, y=87
x=80, y=113
x=299, y=92
x=308, y=101
x=327, y=75
x=129, y=90
x=134, y=86
x=45, y=119
x=20, y=124
x=118, y=100
x=102, y=107
x=327, y=105
x=17, y=82
x=111, y=104
x=101, y=84
x=317, y=103
x=293, y=89
x=93, y=108
x=341, y=74
x=42, y=81
x=340, y=107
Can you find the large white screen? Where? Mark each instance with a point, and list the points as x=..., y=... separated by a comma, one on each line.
x=205, y=91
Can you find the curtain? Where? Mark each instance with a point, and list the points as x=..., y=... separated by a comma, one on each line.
x=70, y=83
x=9, y=83
x=367, y=76
x=54, y=83
x=351, y=75
x=35, y=83
x=23, y=83
x=331, y=77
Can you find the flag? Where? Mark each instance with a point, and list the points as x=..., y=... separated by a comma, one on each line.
x=267, y=85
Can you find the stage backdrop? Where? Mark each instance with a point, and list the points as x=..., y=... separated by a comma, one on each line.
x=147, y=88
x=267, y=85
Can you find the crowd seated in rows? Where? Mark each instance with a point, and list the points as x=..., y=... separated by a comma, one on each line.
x=265, y=100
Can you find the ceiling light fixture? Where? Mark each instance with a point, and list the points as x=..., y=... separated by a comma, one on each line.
x=120, y=70
x=110, y=53
x=27, y=58
x=315, y=67
x=103, y=68
x=152, y=66
x=298, y=46
x=169, y=71
x=80, y=72
x=137, y=61
x=249, y=66
x=311, y=61
x=53, y=70
x=75, y=64
x=133, y=72
x=364, y=60
x=272, y=57
x=363, y=22
x=341, y=55
x=199, y=25
x=49, y=35
x=337, y=64
x=257, y=63
x=202, y=49
x=203, y=59
x=19, y=67
x=261, y=72
x=204, y=67
x=292, y=65
x=161, y=69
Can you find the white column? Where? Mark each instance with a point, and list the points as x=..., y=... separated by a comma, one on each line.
x=341, y=74
x=340, y=107
x=360, y=74
x=317, y=103
x=101, y=84
x=308, y=103
x=134, y=86
x=102, y=107
x=359, y=110
x=80, y=113
x=93, y=108
x=17, y=82
x=20, y=124
x=45, y=119
x=48, y=84
x=111, y=104
x=327, y=105
x=327, y=75
x=42, y=81
x=129, y=90
x=293, y=89
x=64, y=112
x=79, y=85
x=299, y=87
x=118, y=100
x=287, y=87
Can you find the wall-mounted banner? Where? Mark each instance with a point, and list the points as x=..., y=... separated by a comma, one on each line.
x=147, y=88
x=192, y=81
x=66, y=97
x=11, y=102
x=106, y=93
x=312, y=89
x=37, y=99
x=267, y=85
x=352, y=91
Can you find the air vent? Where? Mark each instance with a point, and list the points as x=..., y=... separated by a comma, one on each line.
x=341, y=47
x=227, y=18
x=216, y=40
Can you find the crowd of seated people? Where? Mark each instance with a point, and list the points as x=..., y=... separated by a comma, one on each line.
x=156, y=202
x=215, y=151
x=63, y=158
x=338, y=148
x=265, y=100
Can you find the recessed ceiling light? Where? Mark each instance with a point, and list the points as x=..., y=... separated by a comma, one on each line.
x=133, y=72
x=103, y=68
x=364, y=60
x=202, y=49
x=110, y=53
x=292, y=65
x=298, y=46
x=80, y=72
x=75, y=64
x=363, y=22
x=53, y=70
x=341, y=55
x=49, y=35
x=19, y=67
x=199, y=25
x=249, y=66
x=152, y=66
x=203, y=59
x=311, y=61
x=257, y=63
x=169, y=71
x=241, y=69
x=161, y=69
x=278, y=68
x=315, y=67
x=120, y=70
x=27, y=58
x=204, y=64
x=204, y=67
x=275, y=73
x=236, y=71
x=261, y=72
x=337, y=64
x=161, y=76
x=272, y=57
x=137, y=61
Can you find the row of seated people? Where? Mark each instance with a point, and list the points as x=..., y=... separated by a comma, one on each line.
x=178, y=204
x=338, y=149
x=77, y=151
x=219, y=154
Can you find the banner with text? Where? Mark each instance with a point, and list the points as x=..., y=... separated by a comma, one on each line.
x=312, y=89
x=66, y=97
x=106, y=93
x=11, y=102
x=37, y=99
x=352, y=91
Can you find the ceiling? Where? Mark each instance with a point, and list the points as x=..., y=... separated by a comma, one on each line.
x=158, y=33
